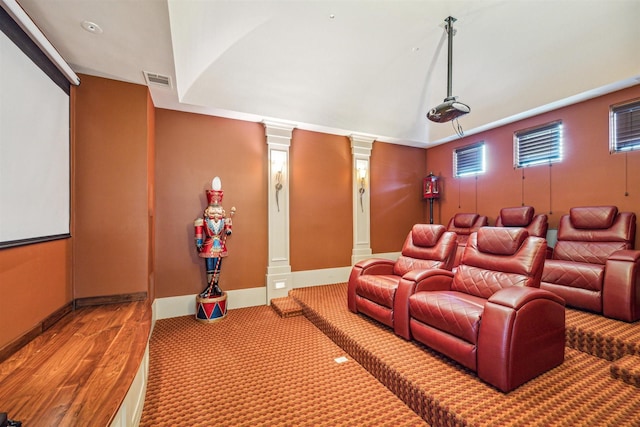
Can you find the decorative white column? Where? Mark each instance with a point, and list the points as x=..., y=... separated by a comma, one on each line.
x=278, y=279
x=361, y=167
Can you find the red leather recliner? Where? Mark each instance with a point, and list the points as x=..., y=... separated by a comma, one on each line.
x=463, y=224
x=524, y=216
x=490, y=315
x=593, y=266
x=373, y=283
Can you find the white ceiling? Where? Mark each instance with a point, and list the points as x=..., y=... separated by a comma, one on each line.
x=366, y=67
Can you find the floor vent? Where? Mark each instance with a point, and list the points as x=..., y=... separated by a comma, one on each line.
x=157, y=79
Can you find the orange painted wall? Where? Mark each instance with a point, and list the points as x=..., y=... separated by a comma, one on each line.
x=321, y=206
x=35, y=281
x=111, y=188
x=190, y=150
x=320, y=201
x=588, y=174
x=396, y=194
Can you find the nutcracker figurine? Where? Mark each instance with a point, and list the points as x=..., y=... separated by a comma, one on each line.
x=211, y=233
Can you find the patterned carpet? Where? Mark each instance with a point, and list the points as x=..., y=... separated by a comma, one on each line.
x=254, y=368
x=580, y=392
x=271, y=367
x=601, y=337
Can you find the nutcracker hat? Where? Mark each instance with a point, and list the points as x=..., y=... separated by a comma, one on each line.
x=214, y=197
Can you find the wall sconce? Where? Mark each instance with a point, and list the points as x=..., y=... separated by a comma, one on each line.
x=361, y=168
x=278, y=161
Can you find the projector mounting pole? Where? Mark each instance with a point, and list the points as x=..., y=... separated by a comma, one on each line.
x=450, y=109
x=450, y=33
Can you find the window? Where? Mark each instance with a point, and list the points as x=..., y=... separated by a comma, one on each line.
x=469, y=160
x=624, y=127
x=538, y=145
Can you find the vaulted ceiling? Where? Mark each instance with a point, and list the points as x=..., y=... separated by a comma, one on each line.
x=372, y=67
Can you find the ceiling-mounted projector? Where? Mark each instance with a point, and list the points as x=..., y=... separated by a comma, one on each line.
x=450, y=109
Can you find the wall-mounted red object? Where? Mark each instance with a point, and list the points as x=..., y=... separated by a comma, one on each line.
x=431, y=187
x=431, y=192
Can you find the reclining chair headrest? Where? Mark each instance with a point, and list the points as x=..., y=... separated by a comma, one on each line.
x=501, y=240
x=464, y=220
x=427, y=235
x=593, y=217
x=516, y=217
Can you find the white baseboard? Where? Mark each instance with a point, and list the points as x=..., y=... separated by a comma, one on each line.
x=185, y=305
x=325, y=276
x=251, y=297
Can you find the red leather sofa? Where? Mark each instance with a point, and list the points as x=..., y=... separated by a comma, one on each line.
x=373, y=283
x=490, y=315
x=463, y=224
x=524, y=216
x=593, y=266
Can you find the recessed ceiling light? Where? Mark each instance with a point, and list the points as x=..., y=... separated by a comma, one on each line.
x=332, y=16
x=92, y=27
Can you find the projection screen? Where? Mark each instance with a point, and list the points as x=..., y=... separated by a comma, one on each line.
x=34, y=143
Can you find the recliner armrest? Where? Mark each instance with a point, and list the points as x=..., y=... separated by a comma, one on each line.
x=625, y=255
x=522, y=335
x=419, y=275
x=621, y=286
x=432, y=279
x=366, y=266
x=376, y=266
x=517, y=296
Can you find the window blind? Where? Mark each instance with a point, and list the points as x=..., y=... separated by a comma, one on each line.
x=541, y=144
x=625, y=127
x=469, y=160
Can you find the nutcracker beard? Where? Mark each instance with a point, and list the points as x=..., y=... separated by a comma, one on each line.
x=213, y=275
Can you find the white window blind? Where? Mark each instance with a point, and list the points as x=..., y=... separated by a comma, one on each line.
x=469, y=160
x=538, y=145
x=624, y=127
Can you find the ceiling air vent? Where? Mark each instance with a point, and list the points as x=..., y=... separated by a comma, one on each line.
x=157, y=79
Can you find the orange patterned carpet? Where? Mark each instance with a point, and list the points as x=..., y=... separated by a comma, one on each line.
x=580, y=392
x=254, y=368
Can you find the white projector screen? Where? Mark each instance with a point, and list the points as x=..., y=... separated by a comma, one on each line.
x=34, y=150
